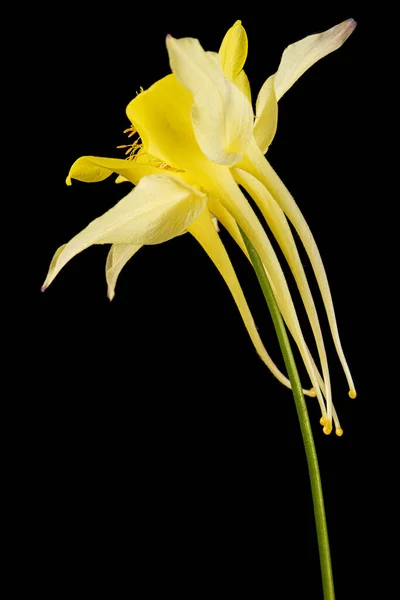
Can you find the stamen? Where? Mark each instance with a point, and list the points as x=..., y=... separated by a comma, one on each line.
x=339, y=431
x=130, y=129
x=352, y=393
x=135, y=146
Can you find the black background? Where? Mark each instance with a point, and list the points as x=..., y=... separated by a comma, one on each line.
x=163, y=457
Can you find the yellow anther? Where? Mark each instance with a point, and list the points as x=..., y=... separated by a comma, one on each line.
x=327, y=429
x=353, y=393
x=312, y=393
x=131, y=130
x=339, y=431
x=134, y=147
x=324, y=421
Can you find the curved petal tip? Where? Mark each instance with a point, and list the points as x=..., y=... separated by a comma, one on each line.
x=352, y=23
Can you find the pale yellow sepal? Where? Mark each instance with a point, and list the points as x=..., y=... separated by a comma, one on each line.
x=279, y=226
x=233, y=50
x=204, y=232
x=300, y=56
x=296, y=59
x=231, y=226
x=222, y=117
x=161, y=207
x=256, y=164
x=116, y=260
x=266, y=115
x=234, y=201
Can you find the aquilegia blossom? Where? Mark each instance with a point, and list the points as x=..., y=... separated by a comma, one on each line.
x=196, y=141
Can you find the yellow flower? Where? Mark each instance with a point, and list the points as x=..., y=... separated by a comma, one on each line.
x=198, y=142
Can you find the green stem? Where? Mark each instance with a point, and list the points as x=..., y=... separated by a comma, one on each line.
x=305, y=426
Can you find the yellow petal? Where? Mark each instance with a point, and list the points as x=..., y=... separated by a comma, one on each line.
x=230, y=225
x=279, y=226
x=116, y=260
x=225, y=217
x=204, y=232
x=233, y=50
x=95, y=168
x=242, y=82
x=221, y=115
x=234, y=201
x=161, y=114
x=266, y=115
x=159, y=208
x=256, y=164
x=300, y=56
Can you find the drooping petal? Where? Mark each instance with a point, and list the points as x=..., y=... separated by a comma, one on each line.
x=116, y=260
x=159, y=208
x=233, y=50
x=300, y=56
x=256, y=164
x=266, y=115
x=279, y=226
x=225, y=217
x=204, y=232
x=221, y=115
x=230, y=225
x=234, y=201
x=96, y=168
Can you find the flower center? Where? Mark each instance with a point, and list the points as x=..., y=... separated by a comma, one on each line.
x=135, y=150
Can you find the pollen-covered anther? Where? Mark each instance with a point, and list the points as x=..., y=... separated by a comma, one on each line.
x=312, y=393
x=339, y=431
x=352, y=393
x=327, y=429
x=323, y=421
x=136, y=145
x=131, y=131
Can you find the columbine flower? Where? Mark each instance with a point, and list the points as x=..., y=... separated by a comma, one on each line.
x=198, y=142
